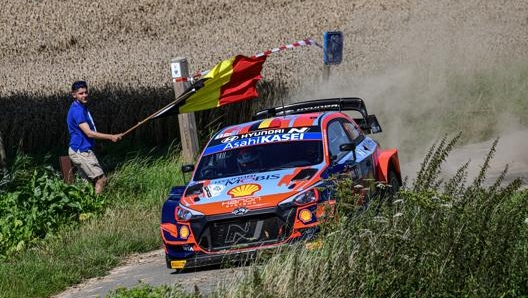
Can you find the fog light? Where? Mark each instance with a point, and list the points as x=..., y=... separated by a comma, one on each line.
x=305, y=216
x=184, y=232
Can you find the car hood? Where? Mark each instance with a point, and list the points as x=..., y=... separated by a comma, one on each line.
x=251, y=191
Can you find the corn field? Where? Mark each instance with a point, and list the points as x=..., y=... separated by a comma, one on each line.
x=123, y=49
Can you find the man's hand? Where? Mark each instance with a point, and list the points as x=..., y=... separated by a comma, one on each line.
x=116, y=137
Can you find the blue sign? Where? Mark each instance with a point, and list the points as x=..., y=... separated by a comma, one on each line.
x=333, y=47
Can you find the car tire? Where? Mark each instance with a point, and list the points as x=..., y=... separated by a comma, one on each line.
x=387, y=194
x=393, y=182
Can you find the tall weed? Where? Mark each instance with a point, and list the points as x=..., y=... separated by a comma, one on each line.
x=35, y=203
x=469, y=241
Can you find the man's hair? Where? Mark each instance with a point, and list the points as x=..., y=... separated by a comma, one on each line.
x=78, y=85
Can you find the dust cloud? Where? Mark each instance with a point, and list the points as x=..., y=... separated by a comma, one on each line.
x=416, y=80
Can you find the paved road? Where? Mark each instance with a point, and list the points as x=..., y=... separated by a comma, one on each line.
x=150, y=268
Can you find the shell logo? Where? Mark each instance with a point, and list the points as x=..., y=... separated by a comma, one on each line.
x=305, y=215
x=184, y=232
x=244, y=190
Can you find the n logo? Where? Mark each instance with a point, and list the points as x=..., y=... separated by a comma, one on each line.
x=237, y=233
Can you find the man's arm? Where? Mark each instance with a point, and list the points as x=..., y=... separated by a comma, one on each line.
x=99, y=135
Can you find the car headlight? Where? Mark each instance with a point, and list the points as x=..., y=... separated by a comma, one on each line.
x=185, y=214
x=303, y=198
x=306, y=197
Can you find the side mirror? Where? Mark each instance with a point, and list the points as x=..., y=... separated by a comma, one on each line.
x=187, y=168
x=349, y=147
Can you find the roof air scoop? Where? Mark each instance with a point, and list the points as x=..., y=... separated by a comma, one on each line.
x=305, y=174
x=194, y=189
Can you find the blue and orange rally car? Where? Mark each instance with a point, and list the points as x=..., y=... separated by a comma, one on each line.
x=260, y=184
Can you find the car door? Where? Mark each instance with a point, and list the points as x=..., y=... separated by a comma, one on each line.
x=365, y=147
x=359, y=162
x=341, y=161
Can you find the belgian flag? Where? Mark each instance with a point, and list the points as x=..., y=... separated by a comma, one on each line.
x=230, y=81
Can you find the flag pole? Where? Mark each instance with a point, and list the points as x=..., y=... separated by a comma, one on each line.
x=180, y=98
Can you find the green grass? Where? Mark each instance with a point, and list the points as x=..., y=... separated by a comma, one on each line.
x=130, y=224
x=35, y=203
x=145, y=290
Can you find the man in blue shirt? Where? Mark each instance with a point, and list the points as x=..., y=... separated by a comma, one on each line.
x=82, y=137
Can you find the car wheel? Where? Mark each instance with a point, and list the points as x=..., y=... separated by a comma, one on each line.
x=393, y=183
x=389, y=190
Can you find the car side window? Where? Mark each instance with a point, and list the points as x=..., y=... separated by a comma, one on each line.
x=352, y=130
x=336, y=137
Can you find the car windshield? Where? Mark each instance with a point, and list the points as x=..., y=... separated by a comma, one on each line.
x=259, y=158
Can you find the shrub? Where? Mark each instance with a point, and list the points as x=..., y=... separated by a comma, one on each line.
x=35, y=202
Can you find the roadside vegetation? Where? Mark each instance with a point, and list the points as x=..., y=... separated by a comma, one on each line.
x=434, y=239
x=88, y=234
x=35, y=204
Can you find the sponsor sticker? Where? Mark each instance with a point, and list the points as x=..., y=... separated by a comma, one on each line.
x=213, y=190
x=244, y=190
x=248, y=179
x=241, y=202
x=223, y=135
x=264, y=140
x=231, y=141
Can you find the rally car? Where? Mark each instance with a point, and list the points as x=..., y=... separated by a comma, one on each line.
x=262, y=184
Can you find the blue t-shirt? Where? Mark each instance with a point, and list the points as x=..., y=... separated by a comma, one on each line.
x=78, y=114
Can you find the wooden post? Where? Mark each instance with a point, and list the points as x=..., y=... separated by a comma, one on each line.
x=67, y=169
x=186, y=122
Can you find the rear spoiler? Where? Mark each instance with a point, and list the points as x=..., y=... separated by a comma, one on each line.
x=368, y=123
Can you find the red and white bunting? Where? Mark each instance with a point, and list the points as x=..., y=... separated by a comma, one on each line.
x=301, y=43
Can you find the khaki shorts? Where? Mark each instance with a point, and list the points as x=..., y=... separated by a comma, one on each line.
x=87, y=162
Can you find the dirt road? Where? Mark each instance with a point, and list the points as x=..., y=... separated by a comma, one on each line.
x=511, y=150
